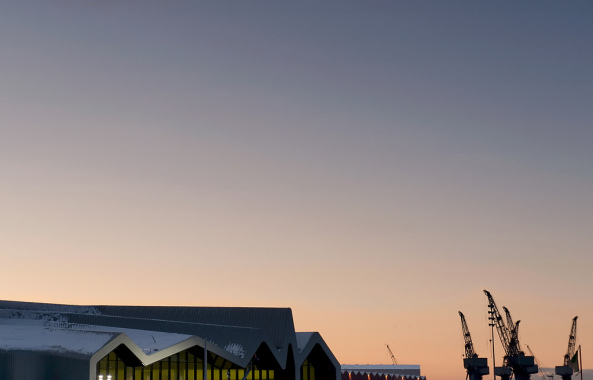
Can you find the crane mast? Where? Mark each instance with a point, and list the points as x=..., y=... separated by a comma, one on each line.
x=565, y=371
x=522, y=366
x=469, y=346
x=572, y=342
x=509, y=318
x=514, y=330
x=391, y=354
x=503, y=332
x=476, y=367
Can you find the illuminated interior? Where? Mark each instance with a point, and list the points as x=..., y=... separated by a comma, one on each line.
x=185, y=365
x=317, y=366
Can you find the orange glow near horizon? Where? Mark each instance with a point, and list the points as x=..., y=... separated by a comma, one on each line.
x=429, y=336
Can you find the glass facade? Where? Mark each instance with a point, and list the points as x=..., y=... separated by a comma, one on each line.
x=185, y=365
x=317, y=365
x=307, y=371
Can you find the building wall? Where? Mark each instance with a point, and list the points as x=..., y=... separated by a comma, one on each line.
x=29, y=365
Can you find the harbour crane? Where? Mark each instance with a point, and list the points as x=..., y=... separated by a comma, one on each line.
x=514, y=329
x=476, y=367
x=566, y=370
x=495, y=318
x=515, y=362
x=391, y=354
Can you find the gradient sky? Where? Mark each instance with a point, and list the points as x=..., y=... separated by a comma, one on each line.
x=374, y=165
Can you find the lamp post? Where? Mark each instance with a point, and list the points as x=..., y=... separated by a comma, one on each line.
x=491, y=324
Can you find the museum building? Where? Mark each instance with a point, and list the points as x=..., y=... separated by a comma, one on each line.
x=66, y=342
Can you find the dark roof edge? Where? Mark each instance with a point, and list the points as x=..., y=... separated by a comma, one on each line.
x=315, y=340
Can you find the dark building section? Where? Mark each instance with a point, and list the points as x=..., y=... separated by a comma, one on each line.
x=63, y=342
x=20, y=364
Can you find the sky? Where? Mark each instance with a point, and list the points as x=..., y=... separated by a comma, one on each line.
x=373, y=165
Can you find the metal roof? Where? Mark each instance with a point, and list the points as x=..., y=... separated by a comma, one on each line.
x=383, y=369
x=235, y=333
x=274, y=322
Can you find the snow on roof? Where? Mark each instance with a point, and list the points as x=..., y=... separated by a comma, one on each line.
x=18, y=307
x=39, y=338
x=152, y=341
x=232, y=332
x=236, y=349
x=36, y=335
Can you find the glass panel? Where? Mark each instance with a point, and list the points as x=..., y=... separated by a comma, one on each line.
x=174, y=371
x=173, y=363
x=183, y=370
x=218, y=363
x=165, y=369
x=156, y=371
x=191, y=370
x=187, y=366
x=102, y=367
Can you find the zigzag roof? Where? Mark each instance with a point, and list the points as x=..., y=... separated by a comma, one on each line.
x=154, y=332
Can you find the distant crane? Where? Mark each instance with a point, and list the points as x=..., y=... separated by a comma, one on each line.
x=476, y=367
x=542, y=374
x=515, y=362
x=565, y=371
x=391, y=354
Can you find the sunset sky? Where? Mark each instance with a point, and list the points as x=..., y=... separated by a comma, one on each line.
x=371, y=164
